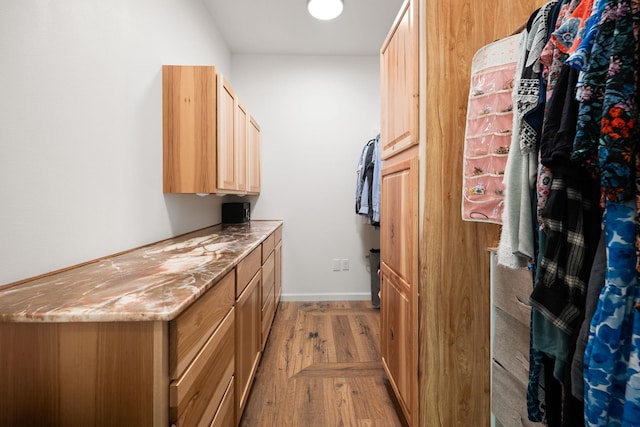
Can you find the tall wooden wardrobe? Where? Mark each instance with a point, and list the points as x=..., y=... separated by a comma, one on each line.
x=435, y=268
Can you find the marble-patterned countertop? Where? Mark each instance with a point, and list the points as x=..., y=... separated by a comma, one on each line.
x=155, y=282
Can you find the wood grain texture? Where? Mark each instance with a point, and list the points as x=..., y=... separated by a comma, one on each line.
x=511, y=346
x=267, y=246
x=454, y=264
x=227, y=139
x=189, y=129
x=268, y=277
x=248, y=338
x=398, y=339
x=189, y=331
x=268, y=313
x=246, y=269
x=511, y=290
x=196, y=395
x=321, y=367
x=242, y=146
x=399, y=83
x=508, y=399
x=79, y=374
x=253, y=157
x=278, y=273
x=226, y=415
x=399, y=280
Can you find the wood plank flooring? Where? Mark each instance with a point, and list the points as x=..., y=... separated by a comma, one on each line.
x=322, y=368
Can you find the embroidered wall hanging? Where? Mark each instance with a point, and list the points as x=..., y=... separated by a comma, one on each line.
x=488, y=130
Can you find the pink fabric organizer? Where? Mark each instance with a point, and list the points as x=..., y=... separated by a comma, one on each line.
x=488, y=130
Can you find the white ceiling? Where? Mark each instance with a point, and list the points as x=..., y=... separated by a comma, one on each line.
x=285, y=27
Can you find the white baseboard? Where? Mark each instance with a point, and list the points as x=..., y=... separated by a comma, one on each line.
x=361, y=296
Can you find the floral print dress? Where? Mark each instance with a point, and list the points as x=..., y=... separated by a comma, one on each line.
x=605, y=144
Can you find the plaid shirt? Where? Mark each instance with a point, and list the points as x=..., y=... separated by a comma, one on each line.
x=571, y=222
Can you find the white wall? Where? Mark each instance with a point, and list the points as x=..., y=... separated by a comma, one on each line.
x=81, y=127
x=81, y=140
x=316, y=114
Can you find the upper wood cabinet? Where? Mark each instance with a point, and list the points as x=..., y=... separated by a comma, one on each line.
x=227, y=136
x=242, y=146
x=206, y=134
x=399, y=83
x=189, y=123
x=253, y=157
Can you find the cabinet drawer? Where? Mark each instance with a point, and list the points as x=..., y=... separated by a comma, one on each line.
x=267, y=247
x=511, y=291
x=278, y=234
x=225, y=416
x=247, y=268
x=189, y=331
x=268, y=312
x=196, y=396
x=511, y=345
x=268, y=276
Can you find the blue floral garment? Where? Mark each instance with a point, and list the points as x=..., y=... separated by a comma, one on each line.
x=605, y=137
x=612, y=373
x=580, y=57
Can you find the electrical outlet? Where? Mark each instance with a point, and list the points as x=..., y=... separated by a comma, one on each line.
x=336, y=264
x=345, y=265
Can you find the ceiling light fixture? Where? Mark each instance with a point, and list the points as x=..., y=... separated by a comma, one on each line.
x=325, y=9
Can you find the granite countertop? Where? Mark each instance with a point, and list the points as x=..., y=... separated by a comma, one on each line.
x=155, y=282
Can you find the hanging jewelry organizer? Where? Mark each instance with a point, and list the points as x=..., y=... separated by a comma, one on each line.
x=488, y=130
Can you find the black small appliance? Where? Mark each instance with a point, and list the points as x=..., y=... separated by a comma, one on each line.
x=234, y=213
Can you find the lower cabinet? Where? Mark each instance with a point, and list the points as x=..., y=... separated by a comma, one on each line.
x=195, y=370
x=278, y=272
x=248, y=334
x=399, y=279
x=226, y=415
x=195, y=397
x=396, y=337
x=268, y=296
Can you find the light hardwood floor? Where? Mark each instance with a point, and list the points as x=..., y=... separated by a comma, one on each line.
x=322, y=368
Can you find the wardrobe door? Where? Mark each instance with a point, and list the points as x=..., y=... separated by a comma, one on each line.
x=399, y=281
x=399, y=83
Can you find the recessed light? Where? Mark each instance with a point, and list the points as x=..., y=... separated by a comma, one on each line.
x=325, y=9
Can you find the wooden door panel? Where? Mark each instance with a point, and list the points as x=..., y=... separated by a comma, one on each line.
x=399, y=218
x=227, y=155
x=189, y=129
x=398, y=346
x=248, y=336
x=399, y=71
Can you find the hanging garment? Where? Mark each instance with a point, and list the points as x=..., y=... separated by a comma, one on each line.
x=517, y=241
x=571, y=222
x=606, y=144
x=362, y=185
x=611, y=365
x=604, y=140
x=376, y=182
x=596, y=283
x=368, y=182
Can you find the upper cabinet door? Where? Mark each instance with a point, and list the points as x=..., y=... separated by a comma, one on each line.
x=227, y=148
x=189, y=129
x=210, y=142
x=253, y=157
x=399, y=84
x=241, y=143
